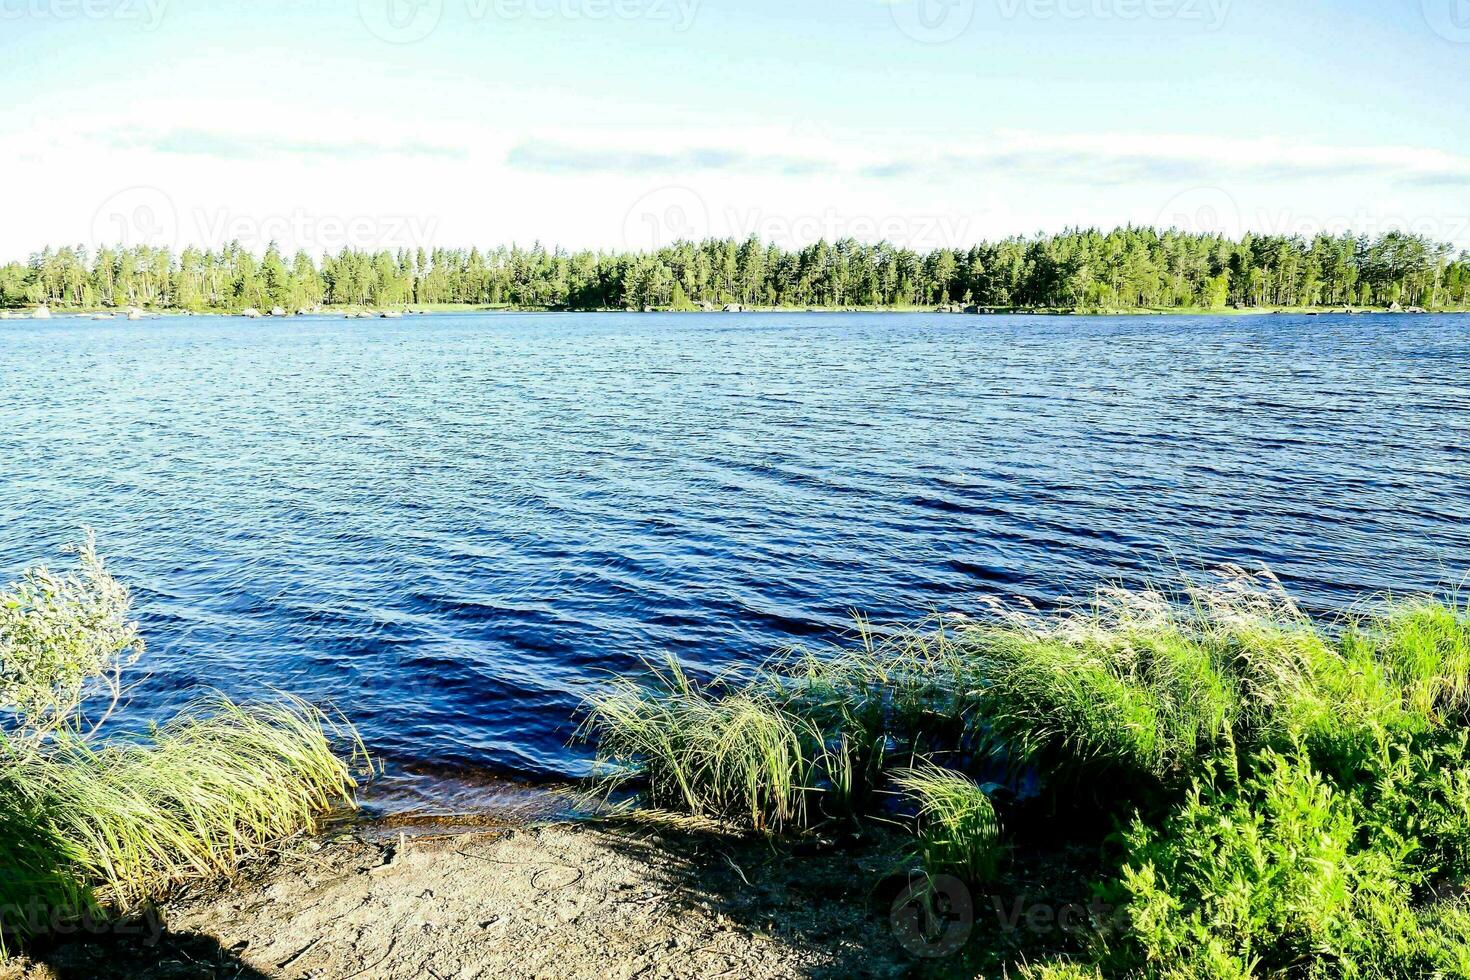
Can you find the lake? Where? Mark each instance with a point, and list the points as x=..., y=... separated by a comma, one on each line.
x=452, y=525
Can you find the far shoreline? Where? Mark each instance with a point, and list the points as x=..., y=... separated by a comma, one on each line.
x=104, y=314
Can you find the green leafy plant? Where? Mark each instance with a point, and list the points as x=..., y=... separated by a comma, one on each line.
x=58, y=634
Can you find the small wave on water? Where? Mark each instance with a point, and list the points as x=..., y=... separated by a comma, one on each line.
x=454, y=527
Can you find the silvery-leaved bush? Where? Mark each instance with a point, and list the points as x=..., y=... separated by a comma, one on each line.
x=59, y=633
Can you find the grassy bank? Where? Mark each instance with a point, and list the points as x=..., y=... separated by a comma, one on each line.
x=1232, y=788
x=93, y=828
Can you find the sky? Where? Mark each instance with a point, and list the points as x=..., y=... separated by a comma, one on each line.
x=623, y=124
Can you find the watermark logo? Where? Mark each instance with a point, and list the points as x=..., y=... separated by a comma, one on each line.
x=1450, y=19
x=932, y=21
x=933, y=916
x=1202, y=211
x=665, y=216
x=400, y=21
x=147, y=14
x=137, y=216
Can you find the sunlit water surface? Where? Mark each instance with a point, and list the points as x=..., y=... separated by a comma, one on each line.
x=452, y=525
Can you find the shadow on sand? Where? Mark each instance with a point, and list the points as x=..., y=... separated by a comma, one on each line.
x=166, y=956
x=823, y=910
x=832, y=900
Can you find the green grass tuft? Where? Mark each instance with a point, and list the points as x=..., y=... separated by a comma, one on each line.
x=958, y=830
x=736, y=755
x=208, y=790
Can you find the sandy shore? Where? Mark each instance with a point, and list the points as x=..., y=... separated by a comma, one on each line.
x=558, y=900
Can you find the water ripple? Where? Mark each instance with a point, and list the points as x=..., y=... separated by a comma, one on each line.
x=453, y=525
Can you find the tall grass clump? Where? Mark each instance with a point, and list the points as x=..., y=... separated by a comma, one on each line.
x=1258, y=791
x=1126, y=688
x=189, y=801
x=726, y=754
x=93, y=824
x=1424, y=645
x=959, y=832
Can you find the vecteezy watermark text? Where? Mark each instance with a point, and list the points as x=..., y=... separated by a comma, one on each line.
x=316, y=231
x=39, y=918
x=940, y=21
x=145, y=13
x=147, y=216
x=1215, y=211
x=407, y=21
x=914, y=231
x=1210, y=13
x=673, y=214
x=935, y=916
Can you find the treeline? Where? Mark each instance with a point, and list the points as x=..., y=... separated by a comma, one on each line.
x=1127, y=268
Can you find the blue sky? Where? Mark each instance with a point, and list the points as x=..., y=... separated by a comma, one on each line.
x=625, y=123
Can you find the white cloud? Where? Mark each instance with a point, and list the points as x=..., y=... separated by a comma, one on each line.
x=318, y=184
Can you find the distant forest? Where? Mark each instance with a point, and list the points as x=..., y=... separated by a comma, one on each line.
x=1128, y=268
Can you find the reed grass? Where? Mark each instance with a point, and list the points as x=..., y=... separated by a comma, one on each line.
x=205, y=792
x=1298, y=787
x=733, y=755
x=98, y=826
x=958, y=830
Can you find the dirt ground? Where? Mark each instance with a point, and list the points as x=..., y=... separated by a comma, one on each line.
x=564, y=900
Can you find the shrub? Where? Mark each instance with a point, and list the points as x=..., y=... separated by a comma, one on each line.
x=58, y=633
x=1259, y=879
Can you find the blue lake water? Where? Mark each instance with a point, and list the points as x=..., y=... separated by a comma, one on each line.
x=451, y=525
